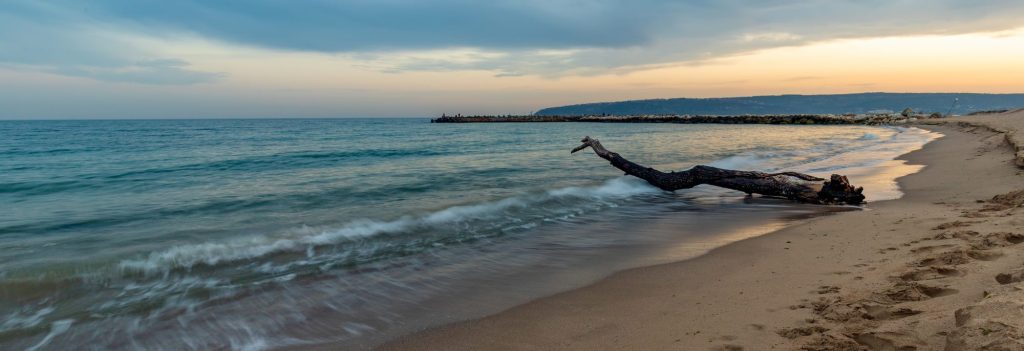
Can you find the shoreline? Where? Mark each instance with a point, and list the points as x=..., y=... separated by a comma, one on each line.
x=695, y=227
x=736, y=297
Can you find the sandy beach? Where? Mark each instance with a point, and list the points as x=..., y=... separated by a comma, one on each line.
x=937, y=269
x=511, y=175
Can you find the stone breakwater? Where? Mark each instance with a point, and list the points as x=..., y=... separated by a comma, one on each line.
x=874, y=119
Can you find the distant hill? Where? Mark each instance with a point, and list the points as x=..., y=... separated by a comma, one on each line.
x=796, y=104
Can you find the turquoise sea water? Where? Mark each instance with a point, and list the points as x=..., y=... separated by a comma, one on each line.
x=259, y=234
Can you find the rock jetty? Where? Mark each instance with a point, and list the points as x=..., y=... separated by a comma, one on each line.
x=868, y=119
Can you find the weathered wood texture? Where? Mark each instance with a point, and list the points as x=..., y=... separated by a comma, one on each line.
x=791, y=185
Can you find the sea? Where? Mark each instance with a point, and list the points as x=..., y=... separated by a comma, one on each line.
x=255, y=234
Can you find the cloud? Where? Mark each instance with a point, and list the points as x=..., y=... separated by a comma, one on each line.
x=39, y=36
x=770, y=37
x=508, y=37
x=802, y=78
x=158, y=71
x=368, y=25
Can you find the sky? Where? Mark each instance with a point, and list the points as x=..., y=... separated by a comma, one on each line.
x=417, y=58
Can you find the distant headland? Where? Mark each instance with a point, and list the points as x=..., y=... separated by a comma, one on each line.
x=861, y=103
x=863, y=108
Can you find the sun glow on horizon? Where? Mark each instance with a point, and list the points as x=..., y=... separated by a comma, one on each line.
x=268, y=82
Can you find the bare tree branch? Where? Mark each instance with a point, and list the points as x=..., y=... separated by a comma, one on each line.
x=791, y=185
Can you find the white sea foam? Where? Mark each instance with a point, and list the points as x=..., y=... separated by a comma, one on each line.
x=456, y=213
x=57, y=328
x=189, y=256
x=874, y=151
x=618, y=187
x=746, y=161
x=869, y=136
x=18, y=320
x=833, y=155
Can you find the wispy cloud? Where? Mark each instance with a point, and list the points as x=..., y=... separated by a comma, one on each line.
x=774, y=37
x=159, y=71
x=801, y=78
x=65, y=40
x=510, y=38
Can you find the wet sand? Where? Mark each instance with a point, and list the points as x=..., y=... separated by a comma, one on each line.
x=938, y=268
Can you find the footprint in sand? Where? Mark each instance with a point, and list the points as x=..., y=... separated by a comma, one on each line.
x=926, y=249
x=1000, y=239
x=958, y=257
x=798, y=332
x=953, y=224
x=974, y=215
x=891, y=340
x=960, y=234
x=827, y=289
x=913, y=291
x=831, y=342
x=876, y=308
x=1016, y=276
x=931, y=273
x=882, y=312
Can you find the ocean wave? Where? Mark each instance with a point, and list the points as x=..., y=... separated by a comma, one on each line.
x=310, y=198
x=831, y=155
x=45, y=152
x=745, y=162
x=56, y=328
x=276, y=162
x=307, y=239
x=37, y=188
x=25, y=318
x=873, y=151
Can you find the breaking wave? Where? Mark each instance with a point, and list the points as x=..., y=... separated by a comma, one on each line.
x=520, y=210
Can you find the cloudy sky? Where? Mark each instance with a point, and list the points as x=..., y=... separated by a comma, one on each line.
x=352, y=58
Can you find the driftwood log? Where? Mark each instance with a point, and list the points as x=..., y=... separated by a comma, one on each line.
x=791, y=185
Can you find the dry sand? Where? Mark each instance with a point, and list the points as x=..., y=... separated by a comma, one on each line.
x=918, y=273
x=1007, y=123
